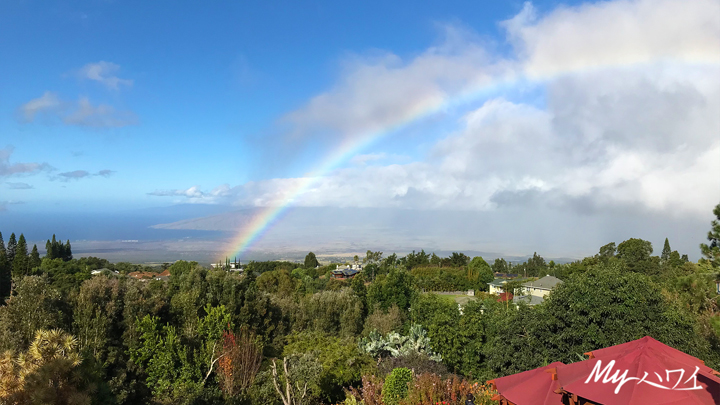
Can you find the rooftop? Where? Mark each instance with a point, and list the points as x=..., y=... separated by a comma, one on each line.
x=546, y=283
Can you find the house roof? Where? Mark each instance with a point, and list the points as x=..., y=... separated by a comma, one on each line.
x=498, y=282
x=346, y=272
x=528, y=299
x=545, y=283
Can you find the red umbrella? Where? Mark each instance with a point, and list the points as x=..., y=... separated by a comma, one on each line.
x=534, y=387
x=622, y=349
x=644, y=371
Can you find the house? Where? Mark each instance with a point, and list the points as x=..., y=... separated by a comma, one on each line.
x=497, y=286
x=344, y=273
x=531, y=300
x=231, y=266
x=542, y=287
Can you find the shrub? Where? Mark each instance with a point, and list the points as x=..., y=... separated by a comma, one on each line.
x=396, y=385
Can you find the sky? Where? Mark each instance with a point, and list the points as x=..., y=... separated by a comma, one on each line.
x=494, y=127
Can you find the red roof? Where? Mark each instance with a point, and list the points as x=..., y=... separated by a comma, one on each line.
x=641, y=371
x=506, y=296
x=534, y=387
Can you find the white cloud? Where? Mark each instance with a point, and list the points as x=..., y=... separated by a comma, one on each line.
x=631, y=119
x=83, y=113
x=195, y=194
x=19, y=186
x=610, y=33
x=99, y=116
x=10, y=169
x=47, y=102
x=104, y=72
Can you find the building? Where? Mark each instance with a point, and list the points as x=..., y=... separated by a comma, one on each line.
x=542, y=287
x=531, y=300
x=497, y=286
x=344, y=273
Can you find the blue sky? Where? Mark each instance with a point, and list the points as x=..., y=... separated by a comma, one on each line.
x=575, y=108
x=206, y=84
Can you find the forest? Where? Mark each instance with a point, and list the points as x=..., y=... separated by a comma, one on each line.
x=289, y=333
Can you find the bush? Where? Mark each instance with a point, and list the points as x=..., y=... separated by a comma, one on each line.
x=396, y=385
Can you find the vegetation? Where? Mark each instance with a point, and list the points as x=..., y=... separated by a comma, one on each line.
x=286, y=333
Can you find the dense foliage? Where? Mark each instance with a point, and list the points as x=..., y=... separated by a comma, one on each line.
x=288, y=333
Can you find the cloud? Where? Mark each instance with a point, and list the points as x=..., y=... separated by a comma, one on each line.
x=74, y=175
x=82, y=174
x=100, y=116
x=611, y=33
x=19, y=186
x=194, y=194
x=383, y=90
x=628, y=119
x=4, y=204
x=105, y=173
x=81, y=113
x=104, y=72
x=11, y=169
x=48, y=102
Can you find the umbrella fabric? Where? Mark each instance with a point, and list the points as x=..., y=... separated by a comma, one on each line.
x=534, y=387
x=644, y=373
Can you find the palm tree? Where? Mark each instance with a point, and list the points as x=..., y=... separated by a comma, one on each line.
x=47, y=373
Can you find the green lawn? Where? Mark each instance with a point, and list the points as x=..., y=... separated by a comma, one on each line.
x=458, y=298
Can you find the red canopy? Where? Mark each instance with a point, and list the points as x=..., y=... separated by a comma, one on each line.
x=639, y=372
x=534, y=387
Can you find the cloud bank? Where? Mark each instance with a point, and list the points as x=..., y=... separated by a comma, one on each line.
x=628, y=117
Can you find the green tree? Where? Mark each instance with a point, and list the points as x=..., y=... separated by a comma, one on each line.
x=711, y=251
x=636, y=254
x=481, y=271
x=34, y=260
x=602, y=307
x=500, y=266
x=296, y=382
x=20, y=261
x=396, y=386
x=665, y=256
x=11, y=248
x=36, y=305
x=5, y=272
x=394, y=289
x=607, y=251
x=342, y=362
x=311, y=261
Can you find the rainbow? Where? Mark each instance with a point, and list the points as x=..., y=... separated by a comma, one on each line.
x=263, y=220
x=483, y=88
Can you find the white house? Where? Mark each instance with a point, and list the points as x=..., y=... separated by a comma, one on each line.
x=497, y=286
x=542, y=287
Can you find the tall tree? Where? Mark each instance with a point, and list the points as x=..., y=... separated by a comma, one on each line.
x=5, y=275
x=67, y=251
x=311, y=261
x=11, y=246
x=20, y=261
x=712, y=251
x=53, y=253
x=665, y=255
x=34, y=258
